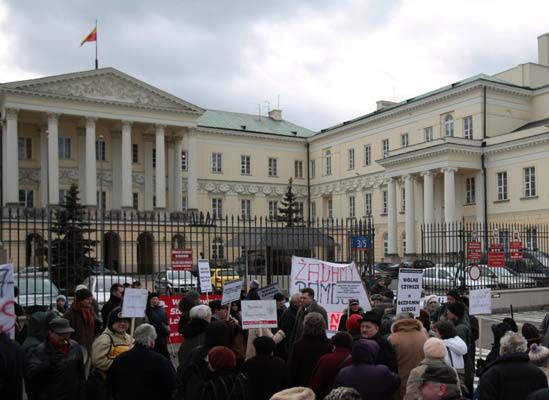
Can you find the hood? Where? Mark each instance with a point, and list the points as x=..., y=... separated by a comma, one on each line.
x=194, y=328
x=406, y=325
x=37, y=326
x=456, y=345
x=365, y=351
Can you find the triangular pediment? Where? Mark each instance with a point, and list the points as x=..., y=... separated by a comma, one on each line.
x=105, y=85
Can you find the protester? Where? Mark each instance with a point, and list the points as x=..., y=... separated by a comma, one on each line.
x=187, y=302
x=266, y=373
x=457, y=314
x=252, y=293
x=431, y=304
x=539, y=356
x=352, y=326
x=498, y=331
x=156, y=316
x=511, y=376
x=352, y=308
x=407, y=337
x=141, y=373
x=328, y=366
x=531, y=334
x=372, y=380
x=308, y=305
x=369, y=329
x=11, y=368
x=61, y=306
x=380, y=285
x=456, y=349
x=136, y=285
x=20, y=315
x=226, y=383
x=94, y=306
x=439, y=382
x=544, y=330
x=287, y=324
x=254, y=333
x=280, y=306
x=295, y=393
x=452, y=296
x=236, y=311
x=37, y=328
x=312, y=345
x=55, y=368
x=219, y=311
x=115, y=300
x=343, y=393
x=194, y=332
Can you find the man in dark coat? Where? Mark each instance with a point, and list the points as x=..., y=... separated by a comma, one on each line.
x=55, y=368
x=511, y=376
x=287, y=323
x=115, y=301
x=308, y=305
x=369, y=329
x=457, y=313
x=141, y=373
x=11, y=368
x=187, y=302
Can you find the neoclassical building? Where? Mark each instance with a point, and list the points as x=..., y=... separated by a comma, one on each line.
x=474, y=150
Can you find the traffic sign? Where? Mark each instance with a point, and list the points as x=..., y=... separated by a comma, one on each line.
x=474, y=272
x=360, y=243
x=474, y=251
x=182, y=259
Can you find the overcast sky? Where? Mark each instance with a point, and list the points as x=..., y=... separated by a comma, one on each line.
x=328, y=60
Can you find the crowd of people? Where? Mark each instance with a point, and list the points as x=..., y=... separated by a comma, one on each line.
x=79, y=351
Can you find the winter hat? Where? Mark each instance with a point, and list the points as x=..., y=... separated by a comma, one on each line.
x=454, y=293
x=512, y=324
x=191, y=299
x=539, y=355
x=429, y=299
x=434, y=348
x=499, y=330
x=115, y=316
x=353, y=323
x=531, y=334
x=440, y=373
x=61, y=297
x=81, y=286
x=457, y=308
x=82, y=294
x=373, y=317
x=353, y=302
x=221, y=357
x=343, y=393
x=295, y=393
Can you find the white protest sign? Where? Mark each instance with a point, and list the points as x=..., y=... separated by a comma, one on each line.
x=348, y=290
x=409, y=290
x=259, y=314
x=7, y=301
x=135, y=302
x=268, y=292
x=480, y=301
x=231, y=291
x=205, y=276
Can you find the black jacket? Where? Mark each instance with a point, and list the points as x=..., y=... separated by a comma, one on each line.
x=542, y=394
x=52, y=375
x=11, y=368
x=387, y=355
x=343, y=320
x=107, y=308
x=157, y=317
x=226, y=385
x=307, y=351
x=286, y=323
x=141, y=373
x=510, y=377
x=192, y=375
x=194, y=335
x=267, y=375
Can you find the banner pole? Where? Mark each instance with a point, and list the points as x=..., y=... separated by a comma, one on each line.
x=480, y=337
x=96, y=39
x=207, y=297
x=132, y=329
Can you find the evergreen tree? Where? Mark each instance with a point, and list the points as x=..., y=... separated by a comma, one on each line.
x=71, y=244
x=290, y=212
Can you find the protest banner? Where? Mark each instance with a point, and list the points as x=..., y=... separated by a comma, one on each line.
x=480, y=301
x=7, y=300
x=135, y=302
x=182, y=259
x=231, y=291
x=259, y=314
x=268, y=292
x=205, y=276
x=348, y=290
x=410, y=282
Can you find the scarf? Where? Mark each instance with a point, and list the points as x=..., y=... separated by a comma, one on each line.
x=87, y=313
x=63, y=348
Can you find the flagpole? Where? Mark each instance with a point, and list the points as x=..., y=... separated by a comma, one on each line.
x=96, y=40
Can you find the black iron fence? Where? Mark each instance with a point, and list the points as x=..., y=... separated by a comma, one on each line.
x=54, y=251
x=472, y=255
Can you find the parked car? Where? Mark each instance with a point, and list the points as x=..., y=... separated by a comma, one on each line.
x=32, y=271
x=100, y=285
x=439, y=278
x=418, y=264
x=222, y=275
x=531, y=267
x=170, y=281
x=35, y=292
x=511, y=280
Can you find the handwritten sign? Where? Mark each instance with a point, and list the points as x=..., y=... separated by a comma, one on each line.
x=480, y=301
x=205, y=276
x=135, y=302
x=259, y=314
x=268, y=292
x=410, y=282
x=7, y=301
x=348, y=290
x=231, y=291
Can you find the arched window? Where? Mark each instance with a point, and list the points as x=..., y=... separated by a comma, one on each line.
x=178, y=241
x=218, y=249
x=145, y=253
x=449, y=125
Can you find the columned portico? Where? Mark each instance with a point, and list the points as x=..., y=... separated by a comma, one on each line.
x=410, y=224
x=428, y=198
x=160, y=168
x=149, y=176
x=391, y=217
x=177, y=174
x=479, y=196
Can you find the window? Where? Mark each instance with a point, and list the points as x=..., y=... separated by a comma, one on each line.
x=101, y=198
x=328, y=163
x=300, y=209
x=428, y=133
x=273, y=209
x=367, y=155
x=368, y=204
x=313, y=169
x=470, y=194
x=298, y=169
x=26, y=198
x=217, y=166
x=64, y=148
x=385, y=244
x=532, y=238
x=352, y=206
x=330, y=206
x=154, y=158
x=217, y=208
x=100, y=149
x=183, y=160
x=245, y=165
x=351, y=159
x=135, y=153
x=25, y=148
x=385, y=147
x=62, y=195
x=449, y=125
x=403, y=199
x=273, y=167
x=404, y=140
x=184, y=203
x=404, y=244
x=529, y=181
x=218, y=249
x=384, y=201
x=468, y=127
x=313, y=209
x=246, y=209
x=154, y=201
x=502, y=185
x=135, y=200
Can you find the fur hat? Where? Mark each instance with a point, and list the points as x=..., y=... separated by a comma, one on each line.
x=457, y=308
x=295, y=393
x=353, y=323
x=373, y=317
x=539, y=355
x=429, y=299
x=343, y=393
x=82, y=294
x=434, y=348
x=221, y=358
x=453, y=293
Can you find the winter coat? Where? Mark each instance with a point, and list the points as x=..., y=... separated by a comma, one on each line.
x=267, y=375
x=52, y=375
x=193, y=336
x=510, y=377
x=297, y=332
x=407, y=337
x=192, y=375
x=110, y=305
x=84, y=334
x=414, y=380
x=544, y=330
x=387, y=355
x=37, y=329
x=326, y=370
x=286, y=324
x=542, y=394
x=456, y=349
x=257, y=332
x=373, y=381
x=343, y=319
x=307, y=351
x=108, y=346
x=141, y=374
x=226, y=385
x=11, y=368
x=158, y=318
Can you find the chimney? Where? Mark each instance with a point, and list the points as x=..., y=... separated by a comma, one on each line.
x=383, y=103
x=275, y=115
x=543, y=49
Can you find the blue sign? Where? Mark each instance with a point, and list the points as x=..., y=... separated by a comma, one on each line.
x=360, y=243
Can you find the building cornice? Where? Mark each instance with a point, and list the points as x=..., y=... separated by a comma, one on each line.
x=349, y=185
x=518, y=144
x=250, y=134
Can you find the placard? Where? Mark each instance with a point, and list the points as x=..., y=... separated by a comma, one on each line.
x=348, y=290
x=135, y=302
x=496, y=256
x=410, y=283
x=182, y=259
x=480, y=301
x=268, y=292
x=7, y=300
x=259, y=314
x=205, y=276
x=474, y=251
x=515, y=250
x=231, y=291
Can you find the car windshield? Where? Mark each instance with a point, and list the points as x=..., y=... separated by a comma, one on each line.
x=104, y=283
x=37, y=286
x=226, y=272
x=172, y=275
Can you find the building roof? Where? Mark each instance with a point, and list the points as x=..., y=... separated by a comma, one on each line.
x=533, y=124
x=251, y=123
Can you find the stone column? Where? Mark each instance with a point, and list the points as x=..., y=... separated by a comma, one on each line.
x=192, y=172
x=43, y=166
x=116, y=169
x=428, y=198
x=126, y=164
x=410, y=219
x=178, y=175
x=160, y=167
x=170, y=182
x=449, y=194
x=391, y=217
x=90, y=165
x=479, y=196
x=53, y=158
x=149, y=176
x=11, y=159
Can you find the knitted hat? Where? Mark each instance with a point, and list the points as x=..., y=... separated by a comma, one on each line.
x=457, y=308
x=82, y=294
x=61, y=297
x=353, y=323
x=295, y=393
x=434, y=348
x=454, y=293
x=539, y=355
x=115, y=316
x=221, y=357
x=429, y=299
x=530, y=333
x=343, y=393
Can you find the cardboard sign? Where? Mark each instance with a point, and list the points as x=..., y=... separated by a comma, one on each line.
x=480, y=301
x=410, y=283
x=348, y=290
x=205, y=276
x=135, y=302
x=231, y=291
x=7, y=300
x=259, y=314
x=496, y=256
x=474, y=251
x=515, y=248
x=182, y=259
x=268, y=292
